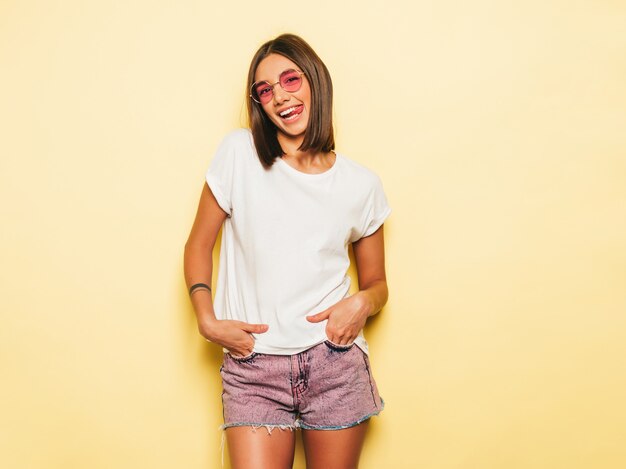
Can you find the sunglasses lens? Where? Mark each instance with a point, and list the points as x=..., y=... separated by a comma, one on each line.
x=290, y=80
x=262, y=92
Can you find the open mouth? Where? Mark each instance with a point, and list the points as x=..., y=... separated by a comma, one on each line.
x=291, y=113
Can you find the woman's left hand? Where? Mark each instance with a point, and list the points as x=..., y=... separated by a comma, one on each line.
x=345, y=319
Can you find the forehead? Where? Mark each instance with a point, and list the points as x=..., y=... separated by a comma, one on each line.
x=270, y=68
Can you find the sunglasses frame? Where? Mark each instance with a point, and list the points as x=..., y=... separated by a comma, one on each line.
x=301, y=73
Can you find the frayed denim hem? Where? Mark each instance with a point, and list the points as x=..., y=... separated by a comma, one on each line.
x=269, y=426
x=341, y=427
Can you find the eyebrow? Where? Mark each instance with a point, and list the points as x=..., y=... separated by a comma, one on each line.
x=280, y=75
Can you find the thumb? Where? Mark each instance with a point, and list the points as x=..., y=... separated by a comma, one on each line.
x=254, y=328
x=319, y=317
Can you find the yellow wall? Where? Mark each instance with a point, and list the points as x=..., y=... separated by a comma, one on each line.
x=500, y=134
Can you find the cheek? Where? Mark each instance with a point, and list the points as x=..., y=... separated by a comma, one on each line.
x=268, y=112
x=306, y=98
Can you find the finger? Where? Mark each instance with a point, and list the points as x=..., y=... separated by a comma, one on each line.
x=346, y=340
x=333, y=338
x=338, y=337
x=254, y=328
x=242, y=353
x=319, y=317
x=342, y=341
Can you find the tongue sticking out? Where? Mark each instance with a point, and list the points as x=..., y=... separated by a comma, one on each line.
x=293, y=113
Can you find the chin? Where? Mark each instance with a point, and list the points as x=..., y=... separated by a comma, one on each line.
x=292, y=131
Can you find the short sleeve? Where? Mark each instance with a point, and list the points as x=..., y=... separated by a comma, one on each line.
x=221, y=173
x=376, y=209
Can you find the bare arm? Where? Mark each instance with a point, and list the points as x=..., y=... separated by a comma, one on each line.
x=198, y=253
x=348, y=316
x=233, y=335
x=369, y=254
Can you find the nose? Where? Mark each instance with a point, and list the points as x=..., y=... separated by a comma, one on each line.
x=280, y=95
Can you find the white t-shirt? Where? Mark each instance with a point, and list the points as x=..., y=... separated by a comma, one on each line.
x=284, y=252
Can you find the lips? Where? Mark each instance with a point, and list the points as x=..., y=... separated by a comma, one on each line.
x=291, y=112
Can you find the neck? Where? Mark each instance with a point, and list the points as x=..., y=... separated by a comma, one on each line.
x=306, y=161
x=291, y=144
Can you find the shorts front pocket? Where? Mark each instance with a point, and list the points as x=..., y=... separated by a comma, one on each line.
x=247, y=358
x=336, y=347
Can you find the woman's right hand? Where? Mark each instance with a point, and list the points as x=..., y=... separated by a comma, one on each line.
x=235, y=336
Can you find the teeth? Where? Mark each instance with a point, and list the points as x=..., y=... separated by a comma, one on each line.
x=287, y=111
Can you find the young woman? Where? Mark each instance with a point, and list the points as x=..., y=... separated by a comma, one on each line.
x=290, y=206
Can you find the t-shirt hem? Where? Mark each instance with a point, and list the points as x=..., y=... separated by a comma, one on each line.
x=359, y=342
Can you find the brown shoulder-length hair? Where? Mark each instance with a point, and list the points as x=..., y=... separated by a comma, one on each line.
x=319, y=132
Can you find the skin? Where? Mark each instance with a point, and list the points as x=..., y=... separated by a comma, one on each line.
x=338, y=449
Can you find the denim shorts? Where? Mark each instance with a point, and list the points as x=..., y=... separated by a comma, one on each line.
x=327, y=387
